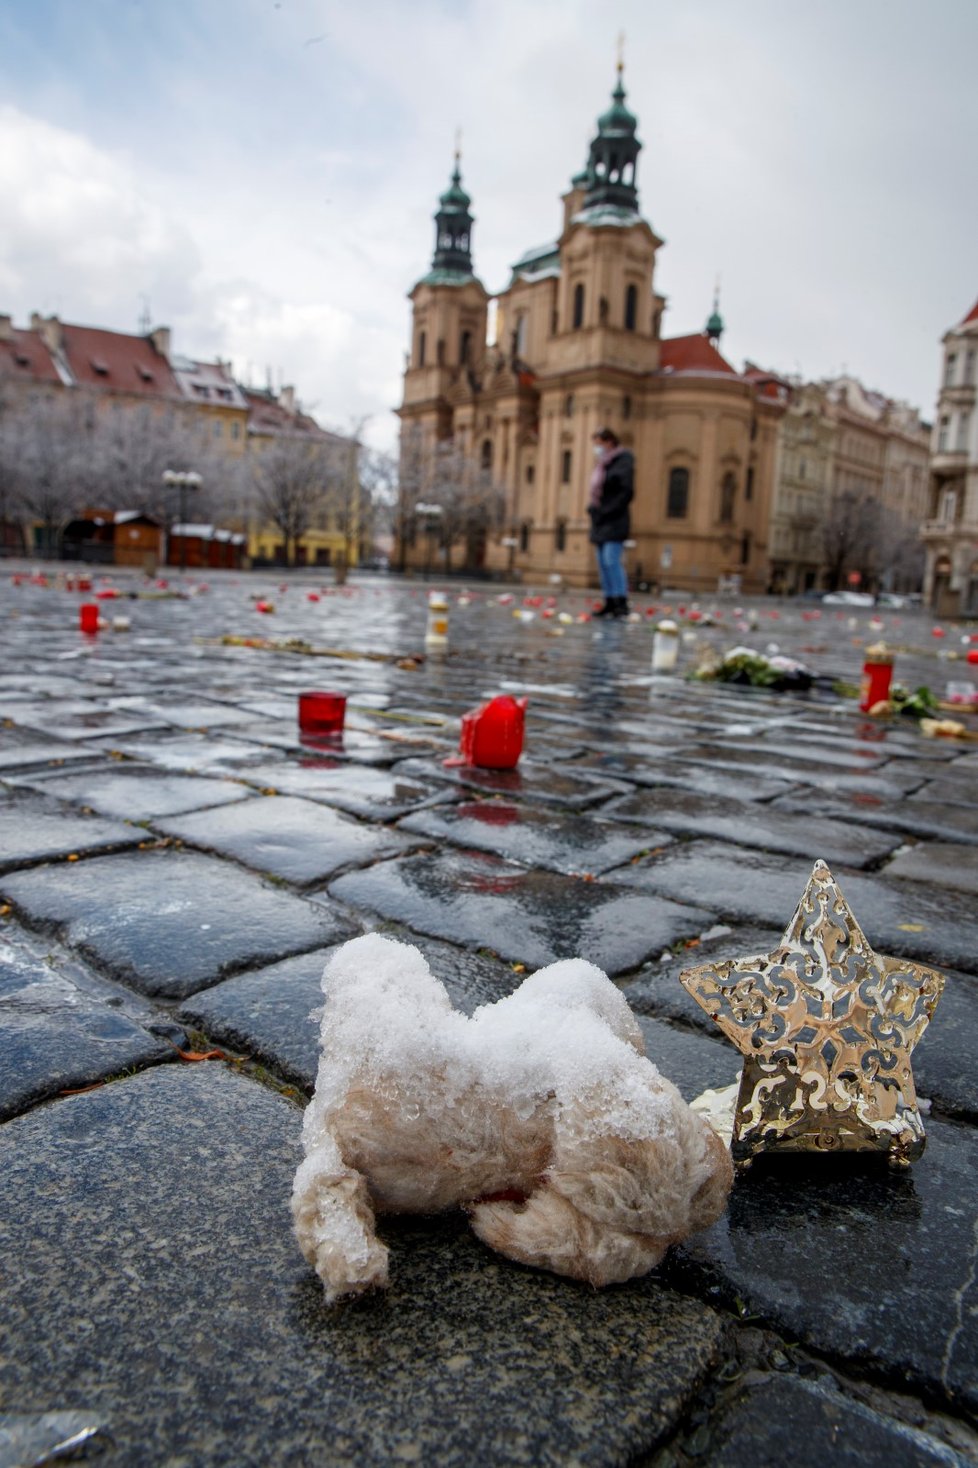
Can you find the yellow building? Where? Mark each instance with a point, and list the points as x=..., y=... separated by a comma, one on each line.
x=578, y=345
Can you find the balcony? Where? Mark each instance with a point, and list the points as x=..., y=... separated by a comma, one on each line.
x=948, y=461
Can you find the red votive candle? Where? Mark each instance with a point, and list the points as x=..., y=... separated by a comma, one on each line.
x=88, y=617
x=321, y=713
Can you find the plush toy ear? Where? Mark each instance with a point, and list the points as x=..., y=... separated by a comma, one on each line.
x=375, y=970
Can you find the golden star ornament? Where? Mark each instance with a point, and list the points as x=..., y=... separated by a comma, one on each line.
x=826, y=1027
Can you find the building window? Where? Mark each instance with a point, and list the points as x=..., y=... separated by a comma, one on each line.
x=578, y=317
x=802, y=468
x=631, y=307
x=949, y=369
x=603, y=310
x=626, y=407
x=964, y=424
x=565, y=467
x=422, y=343
x=749, y=484
x=525, y=536
x=569, y=405
x=486, y=454
x=753, y=429
x=520, y=342
x=677, y=503
x=464, y=347
x=728, y=491
x=218, y=428
x=942, y=435
x=969, y=369
x=745, y=548
x=949, y=506
x=531, y=473
x=441, y=352
x=235, y=430
x=560, y=535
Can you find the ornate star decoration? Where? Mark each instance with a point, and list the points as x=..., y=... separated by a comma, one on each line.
x=826, y=1027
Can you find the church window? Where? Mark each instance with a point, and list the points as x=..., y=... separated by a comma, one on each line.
x=560, y=535
x=521, y=334
x=525, y=536
x=631, y=307
x=626, y=407
x=441, y=352
x=728, y=491
x=422, y=343
x=578, y=318
x=531, y=473
x=802, y=468
x=753, y=429
x=486, y=458
x=569, y=405
x=464, y=347
x=603, y=310
x=749, y=484
x=677, y=504
x=745, y=548
x=566, y=463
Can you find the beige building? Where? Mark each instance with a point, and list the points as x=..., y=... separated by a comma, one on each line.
x=950, y=533
x=577, y=345
x=850, y=490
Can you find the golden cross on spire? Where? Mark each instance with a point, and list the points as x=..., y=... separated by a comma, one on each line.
x=620, y=64
x=826, y=1027
x=458, y=145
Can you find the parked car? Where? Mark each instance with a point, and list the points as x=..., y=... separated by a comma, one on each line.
x=849, y=599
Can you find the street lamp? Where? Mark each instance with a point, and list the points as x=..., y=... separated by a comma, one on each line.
x=432, y=516
x=182, y=480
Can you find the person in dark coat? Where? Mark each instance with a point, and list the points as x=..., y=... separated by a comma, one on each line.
x=612, y=488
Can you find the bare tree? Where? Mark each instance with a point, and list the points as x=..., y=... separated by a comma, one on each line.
x=850, y=533
x=469, y=500
x=292, y=478
x=45, y=463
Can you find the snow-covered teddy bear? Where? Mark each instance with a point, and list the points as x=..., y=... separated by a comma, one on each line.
x=540, y=1115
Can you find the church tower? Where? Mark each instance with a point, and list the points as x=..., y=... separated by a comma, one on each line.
x=448, y=332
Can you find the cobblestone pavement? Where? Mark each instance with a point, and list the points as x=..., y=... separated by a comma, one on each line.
x=174, y=867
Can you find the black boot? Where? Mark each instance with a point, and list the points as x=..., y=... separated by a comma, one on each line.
x=608, y=610
x=620, y=608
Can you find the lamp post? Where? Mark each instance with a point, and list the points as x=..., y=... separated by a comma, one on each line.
x=432, y=516
x=182, y=480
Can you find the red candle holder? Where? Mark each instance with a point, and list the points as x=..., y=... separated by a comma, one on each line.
x=321, y=713
x=88, y=617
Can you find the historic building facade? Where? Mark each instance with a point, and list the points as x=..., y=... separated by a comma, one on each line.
x=578, y=345
x=950, y=533
x=850, y=490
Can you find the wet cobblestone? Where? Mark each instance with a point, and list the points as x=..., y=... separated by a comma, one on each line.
x=177, y=862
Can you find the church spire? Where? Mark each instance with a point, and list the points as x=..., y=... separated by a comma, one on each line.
x=453, y=226
x=610, y=174
x=714, y=325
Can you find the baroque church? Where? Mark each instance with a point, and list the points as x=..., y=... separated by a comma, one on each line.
x=578, y=346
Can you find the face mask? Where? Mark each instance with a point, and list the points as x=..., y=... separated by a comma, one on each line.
x=599, y=450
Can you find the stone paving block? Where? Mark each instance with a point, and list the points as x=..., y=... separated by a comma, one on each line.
x=914, y=816
x=138, y=792
x=169, y=922
x=526, y=917
x=467, y=1358
x=944, y=791
x=62, y=1027
x=938, y=861
x=78, y=719
x=691, y=1061
x=360, y=790
x=193, y=753
x=298, y=840
x=273, y=1013
x=853, y=758
x=810, y=1424
x=655, y=989
x=555, y=841
x=686, y=813
x=728, y=784
x=912, y=919
x=872, y=1266
x=200, y=715
x=529, y=781
x=20, y=751
x=358, y=746
x=35, y=829
x=891, y=785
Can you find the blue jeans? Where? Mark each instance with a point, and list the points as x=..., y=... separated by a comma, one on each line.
x=614, y=582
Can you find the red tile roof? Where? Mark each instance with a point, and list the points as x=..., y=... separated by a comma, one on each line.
x=694, y=353
x=115, y=361
x=267, y=415
x=24, y=355
x=972, y=315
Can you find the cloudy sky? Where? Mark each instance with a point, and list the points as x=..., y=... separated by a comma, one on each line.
x=263, y=172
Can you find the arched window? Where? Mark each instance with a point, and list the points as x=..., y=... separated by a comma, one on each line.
x=565, y=467
x=441, y=352
x=560, y=535
x=422, y=343
x=631, y=307
x=521, y=334
x=530, y=473
x=569, y=405
x=626, y=406
x=464, y=347
x=728, y=492
x=745, y=548
x=603, y=310
x=578, y=317
x=525, y=536
x=749, y=484
x=486, y=457
x=677, y=504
